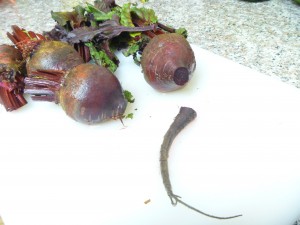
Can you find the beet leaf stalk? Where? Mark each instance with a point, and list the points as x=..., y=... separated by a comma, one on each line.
x=43, y=85
x=107, y=30
x=183, y=118
x=24, y=40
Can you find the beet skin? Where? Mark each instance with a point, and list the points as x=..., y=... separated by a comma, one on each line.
x=168, y=62
x=92, y=94
x=53, y=55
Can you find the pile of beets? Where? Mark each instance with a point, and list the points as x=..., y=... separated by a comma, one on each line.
x=73, y=64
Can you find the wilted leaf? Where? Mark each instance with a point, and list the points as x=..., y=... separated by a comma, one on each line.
x=98, y=14
x=148, y=15
x=74, y=18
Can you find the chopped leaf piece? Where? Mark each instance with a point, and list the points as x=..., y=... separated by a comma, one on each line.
x=128, y=96
x=129, y=116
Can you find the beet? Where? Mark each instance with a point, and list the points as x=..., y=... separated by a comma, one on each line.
x=88, y=93
x=168, y=62
x=57, y=73
x=92, y=94
x=11, y=78
x=53, y=55
x=43, y=54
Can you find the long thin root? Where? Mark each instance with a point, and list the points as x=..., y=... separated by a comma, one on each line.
x=176, y=199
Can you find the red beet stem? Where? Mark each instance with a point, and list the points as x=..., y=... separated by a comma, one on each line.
x=42, y=85
x=8, y=86
x=11, y=99
x=24, y=40
x=44, y=98
x=140, y=23
x=11, y=78
x=40, y=91
x=83, y=51
x=166, y=28
x=51, y=75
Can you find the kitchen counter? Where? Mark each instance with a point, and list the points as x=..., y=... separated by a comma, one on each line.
x=263, y=36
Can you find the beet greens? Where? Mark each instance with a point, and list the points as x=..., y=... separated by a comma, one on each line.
x=128, y=28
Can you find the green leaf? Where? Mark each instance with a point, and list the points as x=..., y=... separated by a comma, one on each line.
x=101, y=58
x=74, y=18
x=62, y=17
x=125, y=18
x=148, y=15
x=129, y=116
x=132, y=49
x=98, y=14
x=182, y=31
x=79, y=10
x=128, y=96
x=104, y=5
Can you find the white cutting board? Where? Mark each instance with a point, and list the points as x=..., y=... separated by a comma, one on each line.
x=240, y=156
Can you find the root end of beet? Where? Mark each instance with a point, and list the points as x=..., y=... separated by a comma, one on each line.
x=181, y=76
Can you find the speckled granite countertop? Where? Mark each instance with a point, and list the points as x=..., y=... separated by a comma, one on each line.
x=264, y=36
